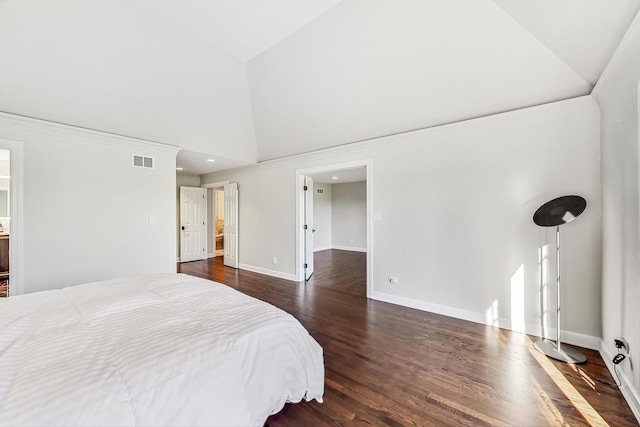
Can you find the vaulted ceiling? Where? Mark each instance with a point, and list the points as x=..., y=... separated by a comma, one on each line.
x=242, y=81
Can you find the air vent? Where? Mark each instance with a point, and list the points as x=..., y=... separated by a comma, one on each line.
x=142, y=161
x=319, y=190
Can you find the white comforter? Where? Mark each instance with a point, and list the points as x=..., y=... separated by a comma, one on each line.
x=158, y=350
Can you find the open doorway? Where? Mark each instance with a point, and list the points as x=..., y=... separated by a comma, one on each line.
x=327, y=228
x=5, y=220
x=11, y=218
x=215, y=219
x=222, y=216
x=217, y=196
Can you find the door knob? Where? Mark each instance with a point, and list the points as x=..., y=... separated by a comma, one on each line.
x=183, y=227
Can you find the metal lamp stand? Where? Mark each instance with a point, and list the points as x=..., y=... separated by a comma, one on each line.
x=554, y=213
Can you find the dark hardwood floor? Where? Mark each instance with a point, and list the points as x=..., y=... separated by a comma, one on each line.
x=391, y=365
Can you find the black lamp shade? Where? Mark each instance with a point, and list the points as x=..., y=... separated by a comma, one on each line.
x=559, y=211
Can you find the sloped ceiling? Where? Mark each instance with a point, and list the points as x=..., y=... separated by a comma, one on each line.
x=251, y=80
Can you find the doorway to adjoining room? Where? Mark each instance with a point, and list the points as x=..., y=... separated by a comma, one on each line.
x=217, y=198
x=334, y=217
x=222, y=217
x=5, y=220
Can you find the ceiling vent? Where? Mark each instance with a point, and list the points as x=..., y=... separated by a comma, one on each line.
x=142, y=161
x=319, y=190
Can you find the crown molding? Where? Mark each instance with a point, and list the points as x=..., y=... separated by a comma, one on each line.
x=28, y=124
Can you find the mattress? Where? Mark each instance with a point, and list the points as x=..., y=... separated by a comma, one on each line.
x=166, y=349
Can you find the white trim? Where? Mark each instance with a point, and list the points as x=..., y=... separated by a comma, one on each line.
x=300, y=173
x=299, y=255
x=215, y=184
x=322, y=248
x=626, y=49
x=349, y=248
x=573, y=338
x=266, y=271
x=178, y=259
x=211, y=204
x=627, y=389
x=16, y=230
x=430, y=307
x=580, y=340
x=12, y=121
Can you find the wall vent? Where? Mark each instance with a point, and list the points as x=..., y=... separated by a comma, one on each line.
x=142, y=161
x=319, y=190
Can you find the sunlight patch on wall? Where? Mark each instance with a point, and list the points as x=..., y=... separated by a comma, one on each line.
x=543, y=262
x=517, y=300
x=492, y=314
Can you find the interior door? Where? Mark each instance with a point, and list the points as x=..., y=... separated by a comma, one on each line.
x=193, y=243
x=231, y=225
x=308, y=227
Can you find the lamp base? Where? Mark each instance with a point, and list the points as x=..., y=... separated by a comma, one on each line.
x=565, y=354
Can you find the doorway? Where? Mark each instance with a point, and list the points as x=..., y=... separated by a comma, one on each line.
x=217, y=219
x=351, y=173
x=5, y=220
x=11, y=230
x=222, y=214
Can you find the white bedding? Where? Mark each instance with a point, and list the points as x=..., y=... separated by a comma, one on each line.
x=159, y=350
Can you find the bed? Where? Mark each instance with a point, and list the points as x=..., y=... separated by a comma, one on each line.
x=166, y=349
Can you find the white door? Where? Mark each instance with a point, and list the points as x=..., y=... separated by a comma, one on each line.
x=231, y=225
x=193, y=242
x=308, y=227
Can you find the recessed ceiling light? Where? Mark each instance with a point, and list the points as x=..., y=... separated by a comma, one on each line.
x=334, y=177
x=211, y=160
x=179, y=169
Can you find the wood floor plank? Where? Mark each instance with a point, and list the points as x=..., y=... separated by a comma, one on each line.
x=394, y=366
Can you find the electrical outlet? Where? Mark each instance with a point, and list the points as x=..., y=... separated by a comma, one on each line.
x=621, y=343
x=618, y=358
x=274, y=260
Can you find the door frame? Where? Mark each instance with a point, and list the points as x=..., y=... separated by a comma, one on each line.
x=300, y=174
x=308, y=195
x=214, y=185
x=16, y=253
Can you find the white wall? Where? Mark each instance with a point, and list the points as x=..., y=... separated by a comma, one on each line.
x=88, y=214
x=183, y=180
x=349, y=216
x=322, y=217
x=456, y=205
x=617, y=95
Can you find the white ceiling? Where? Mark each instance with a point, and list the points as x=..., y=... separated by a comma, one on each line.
x=241, y=28
x=251, y=80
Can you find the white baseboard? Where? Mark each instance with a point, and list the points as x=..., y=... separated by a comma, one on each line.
x=349, y=248
x=580, y=340
x=627, y=389
x=211, y=255
x=322, y=248
x=178, y=259
x=427, y=306
x=573, y=338
x=268, y=272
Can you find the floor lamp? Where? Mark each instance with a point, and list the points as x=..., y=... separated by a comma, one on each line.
x=554, y=213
